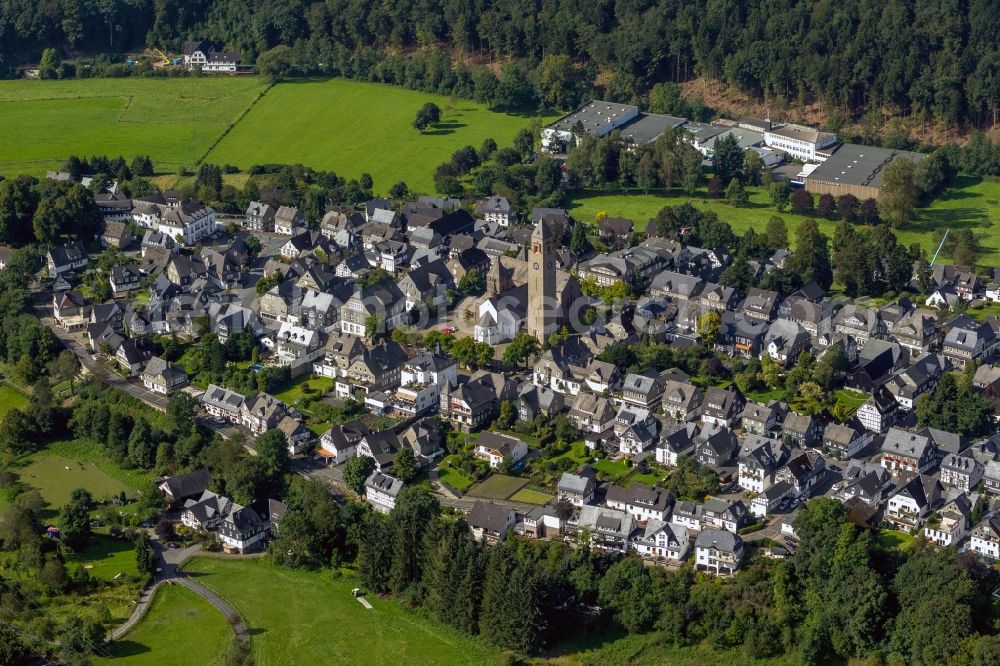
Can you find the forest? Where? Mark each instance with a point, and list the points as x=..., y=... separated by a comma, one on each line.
x=936, y=60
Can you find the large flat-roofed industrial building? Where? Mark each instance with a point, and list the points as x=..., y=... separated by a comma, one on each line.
x=855, y=169
x=598, y=118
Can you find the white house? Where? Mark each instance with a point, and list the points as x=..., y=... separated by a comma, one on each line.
x=421, y=380
x=718, y=552
x=985, y=540
x=499, y=321
x=495, y=447
x=770, y=499
x=663, y=539
x=381, y=491
x=163, y=377
x=951, y=523
x=204, y=56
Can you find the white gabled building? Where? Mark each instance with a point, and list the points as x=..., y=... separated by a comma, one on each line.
x=381, y=491
x=985, y=540
x=421, y=380
x=800, y=141
x=663, y=539
x=718, y=552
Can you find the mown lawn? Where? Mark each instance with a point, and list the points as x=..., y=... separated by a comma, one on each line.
x=895, y=540
x=65, y=465
x=352, y=127
x=295, y=390
x=529, y=496
x=306, y=617
x=498, y=487
x=179, y=628
x=615, y=469
x=971, y=202
x=852, y=399
x=106, y=557
x=172, y=120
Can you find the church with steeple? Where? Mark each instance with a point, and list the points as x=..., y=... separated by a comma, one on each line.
x=543, y=309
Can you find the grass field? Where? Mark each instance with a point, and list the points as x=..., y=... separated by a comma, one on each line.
x=352, y=127
x=175, y=121
x=498, y=487
x=971, y=202
x=46, y=471
x=304, y=617
x=106, y=557
x=896, y=540
x=452, y=476
x=529, y=496
x=615, y=469
x=851, y=398
x=179, y=628
x=295, y=390
x=11, y=398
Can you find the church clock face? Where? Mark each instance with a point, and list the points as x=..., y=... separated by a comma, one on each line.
x=535, y=265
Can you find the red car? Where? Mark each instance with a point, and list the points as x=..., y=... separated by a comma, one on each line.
x=448, y=329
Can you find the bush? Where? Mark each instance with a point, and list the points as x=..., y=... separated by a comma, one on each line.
x=802, y=202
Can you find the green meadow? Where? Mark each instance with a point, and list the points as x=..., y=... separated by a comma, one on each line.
x=174, y=121
x=179, y=628
x=352, y=127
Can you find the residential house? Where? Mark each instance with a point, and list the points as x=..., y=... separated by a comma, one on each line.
x=758, y=465
x=803, y=471
x=497, y=448
x=763, y=420
x=534, y=401
x=911, y=503
x=162, y=376
x=259, y=216
x=288, y=221
x=420, y=383
x=760, y=304
x=688, y=514
x=496, y=209
x=470, y=405
x=951, y=523
x=860, y=323
x=675, y=442
x=661, y=539
x=964, y=473
x=382, y=300
x=489, y=522
x=609, y=529
x=985, y=540
x=973, y=344
x=717, y=446
x=920, y=377
x=904, y=451
x=916, y=331
x=770, y=499
x=202, y=56
x=222, y=403
x=340, y=443
x=69, y=309
x=729, y=515
x=680, y=400
x=297, y=345
x=133, y=354
x=846, y=440
x=803, y=429
x=642, y=391
x=592, y=413
x=428, y=284
x=66, y=258
x=206, y=512
x=577, y=489
x=722, y=406
x=262, y=413
x=879, y=411
x=785, y=341
x=185, y=486
x=869, y=483
x=640, y=501
x=718, y=552
x=242, y=529
x=381, y=491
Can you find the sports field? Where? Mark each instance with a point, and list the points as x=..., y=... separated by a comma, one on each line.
x=173, y=120
x=971, y=202
x=353, y=127
x=306, y=617
x=179, y=628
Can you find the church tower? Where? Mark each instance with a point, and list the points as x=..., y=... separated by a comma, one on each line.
x=543, y=317
x=499, y=278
